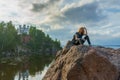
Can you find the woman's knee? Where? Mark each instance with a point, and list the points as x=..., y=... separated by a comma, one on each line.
x=86, y=37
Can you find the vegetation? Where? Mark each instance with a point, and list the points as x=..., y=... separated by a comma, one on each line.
x=39, y=41
x=8, y=37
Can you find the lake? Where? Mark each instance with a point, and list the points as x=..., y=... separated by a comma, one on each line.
x=35, y=69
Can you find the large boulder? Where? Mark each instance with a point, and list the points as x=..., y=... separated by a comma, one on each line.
x=84, y=63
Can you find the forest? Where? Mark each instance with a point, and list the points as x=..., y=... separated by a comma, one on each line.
x=37, y=42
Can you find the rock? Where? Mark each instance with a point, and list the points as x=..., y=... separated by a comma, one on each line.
x=84, y=63
x=68, y=45
x=113, y=55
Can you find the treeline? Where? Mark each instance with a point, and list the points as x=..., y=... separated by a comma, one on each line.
x=39, y=41
x=8, y=37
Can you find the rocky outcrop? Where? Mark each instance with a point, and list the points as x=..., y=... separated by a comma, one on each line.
x=85, y=63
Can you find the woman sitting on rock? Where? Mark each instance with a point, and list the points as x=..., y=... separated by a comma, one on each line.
x=81, y=36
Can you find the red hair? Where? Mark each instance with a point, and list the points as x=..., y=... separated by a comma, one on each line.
x=81, y=30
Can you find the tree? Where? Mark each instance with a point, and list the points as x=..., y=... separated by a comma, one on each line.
x=8, y=36
x=41, y=42
x=2, y=24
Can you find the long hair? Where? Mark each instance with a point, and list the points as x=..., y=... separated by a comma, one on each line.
x=81, y=30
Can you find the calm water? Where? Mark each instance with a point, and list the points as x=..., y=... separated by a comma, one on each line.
x=35, y=69
x=113, y=46
x=38, y=75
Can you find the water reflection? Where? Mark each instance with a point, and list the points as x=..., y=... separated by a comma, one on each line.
x=23, y=75
x=24, y=72
x=37, y=76
x=32, y=70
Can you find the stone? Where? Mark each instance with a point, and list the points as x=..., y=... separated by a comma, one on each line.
x=84, y=63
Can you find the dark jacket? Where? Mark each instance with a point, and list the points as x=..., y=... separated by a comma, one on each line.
x=80, y=39
x=78, y=35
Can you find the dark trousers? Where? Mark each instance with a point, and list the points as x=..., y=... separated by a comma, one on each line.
x=82, y=41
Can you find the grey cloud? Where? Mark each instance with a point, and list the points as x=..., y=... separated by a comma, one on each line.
x=37, y=7
x=86, y=13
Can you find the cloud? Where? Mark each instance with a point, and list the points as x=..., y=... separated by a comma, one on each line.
x=37, y=7
x=78, y=12
x=85, y=13
x=75, y=13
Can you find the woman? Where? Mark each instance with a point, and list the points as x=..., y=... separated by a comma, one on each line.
x=78, y=37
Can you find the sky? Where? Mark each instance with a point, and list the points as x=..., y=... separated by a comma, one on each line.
x=62, y=18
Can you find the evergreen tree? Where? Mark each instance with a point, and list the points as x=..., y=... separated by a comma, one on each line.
x=41, y=42
x=8, y=36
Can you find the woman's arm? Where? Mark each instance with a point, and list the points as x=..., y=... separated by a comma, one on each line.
x=85, y=31
x=76, y=37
